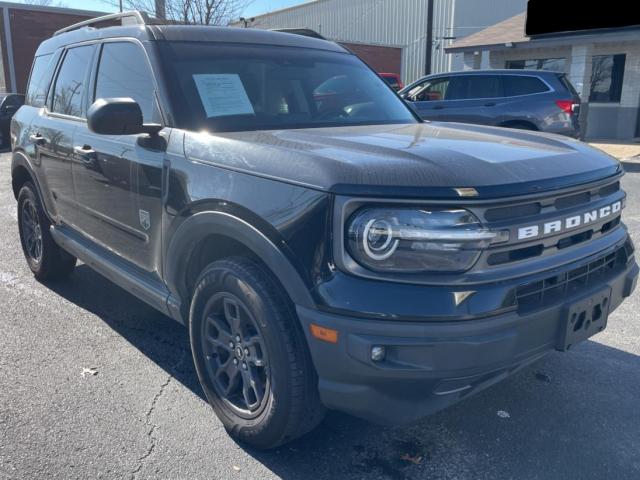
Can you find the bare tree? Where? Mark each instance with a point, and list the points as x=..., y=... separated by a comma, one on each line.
x=43, y=3
x=203, y=12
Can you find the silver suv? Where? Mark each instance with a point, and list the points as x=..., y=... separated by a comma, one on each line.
x=526, y=99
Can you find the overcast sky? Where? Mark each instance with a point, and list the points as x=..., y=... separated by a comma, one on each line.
x=255, y=8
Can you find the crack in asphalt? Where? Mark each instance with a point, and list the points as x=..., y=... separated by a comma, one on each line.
x=148, y=420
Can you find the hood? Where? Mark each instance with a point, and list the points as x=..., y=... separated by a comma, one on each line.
x=424, y=160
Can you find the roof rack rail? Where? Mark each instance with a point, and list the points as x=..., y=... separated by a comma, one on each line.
x=133, y=17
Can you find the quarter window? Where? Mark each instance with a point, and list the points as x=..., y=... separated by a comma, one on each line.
x=124, y=72
x=70, y=84
x=515, y=85
x=39, y=81
x=607, y=73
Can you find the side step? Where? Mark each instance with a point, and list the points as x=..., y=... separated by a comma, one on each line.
x=113, y=268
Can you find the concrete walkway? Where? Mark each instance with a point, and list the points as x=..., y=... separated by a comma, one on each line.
x=622, y=151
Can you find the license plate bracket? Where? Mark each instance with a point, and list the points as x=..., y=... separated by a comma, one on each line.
x=584, y=318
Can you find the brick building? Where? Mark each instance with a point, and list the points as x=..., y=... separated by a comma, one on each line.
x=22, y=28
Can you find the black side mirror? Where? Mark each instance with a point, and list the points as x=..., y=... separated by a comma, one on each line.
x=118, y=116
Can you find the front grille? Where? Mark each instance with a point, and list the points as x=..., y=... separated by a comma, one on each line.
x=544, y=210
x=553, y=288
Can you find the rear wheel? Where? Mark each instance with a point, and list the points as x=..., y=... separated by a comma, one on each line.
x=251, y=356
x=45, y=258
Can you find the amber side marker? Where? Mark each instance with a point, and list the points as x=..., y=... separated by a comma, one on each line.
x=325, y=334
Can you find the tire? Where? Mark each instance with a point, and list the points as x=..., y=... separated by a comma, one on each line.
x=238, y=303
x=45, y=258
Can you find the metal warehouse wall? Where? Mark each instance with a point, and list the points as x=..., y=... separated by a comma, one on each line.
x=396, y=23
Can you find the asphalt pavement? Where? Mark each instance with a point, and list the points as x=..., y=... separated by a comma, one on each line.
x=95, y=384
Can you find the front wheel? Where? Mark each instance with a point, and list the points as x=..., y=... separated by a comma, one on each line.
x=251, y=356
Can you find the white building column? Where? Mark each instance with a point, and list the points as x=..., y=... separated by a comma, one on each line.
x=472, y=60
x=580, y=70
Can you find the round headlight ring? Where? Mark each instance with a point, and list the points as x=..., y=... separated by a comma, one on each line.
x=384, y=231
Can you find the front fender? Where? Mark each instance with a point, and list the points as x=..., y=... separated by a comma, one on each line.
x=202, y=224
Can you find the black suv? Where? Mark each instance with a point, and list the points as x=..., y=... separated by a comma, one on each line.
x=324, y=249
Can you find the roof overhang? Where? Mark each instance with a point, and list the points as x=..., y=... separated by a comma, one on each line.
x=557, y=40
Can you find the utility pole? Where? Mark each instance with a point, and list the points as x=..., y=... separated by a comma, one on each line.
x=160, y=9
x=427, y=60
x=120, y=4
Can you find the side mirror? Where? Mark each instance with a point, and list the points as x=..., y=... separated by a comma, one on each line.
x=118, y=116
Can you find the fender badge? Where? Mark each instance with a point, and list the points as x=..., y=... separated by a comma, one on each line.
x=145, y=219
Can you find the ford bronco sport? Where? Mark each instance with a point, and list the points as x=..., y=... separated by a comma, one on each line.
x=325, y=247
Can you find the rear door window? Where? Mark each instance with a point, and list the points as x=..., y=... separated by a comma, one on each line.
x=467, y=87
x=39, y=81
x=515, y=85
x=70, y=84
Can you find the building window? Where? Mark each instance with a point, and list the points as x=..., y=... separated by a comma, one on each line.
x=607, y=74
x=553, y=64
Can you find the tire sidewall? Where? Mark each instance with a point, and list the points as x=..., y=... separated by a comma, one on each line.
x=27, y=192
x=222, y=277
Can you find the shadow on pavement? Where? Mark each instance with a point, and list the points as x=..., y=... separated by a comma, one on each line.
x=569, y=415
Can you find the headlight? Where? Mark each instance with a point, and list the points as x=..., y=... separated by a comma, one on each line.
x=413, y=240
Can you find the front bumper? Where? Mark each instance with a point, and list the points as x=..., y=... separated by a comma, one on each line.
x=431, y=365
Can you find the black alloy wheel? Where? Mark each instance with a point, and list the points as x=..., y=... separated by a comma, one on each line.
x=31, y=231
x=237, y=361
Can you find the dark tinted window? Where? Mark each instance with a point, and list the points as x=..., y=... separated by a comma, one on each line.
x=39, y=81
x=70, y=83
x=475, y=86
x=552, y=64
x=516, y=85
x=231, y=87
x=125, y=72
x=607, y=73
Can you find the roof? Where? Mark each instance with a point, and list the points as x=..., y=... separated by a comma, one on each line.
x=499, y=71
x=188, y=33
x=44, y=8
x=511, y=33
x=510, y=30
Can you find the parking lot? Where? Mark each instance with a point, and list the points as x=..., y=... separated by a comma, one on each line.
x=95, y=384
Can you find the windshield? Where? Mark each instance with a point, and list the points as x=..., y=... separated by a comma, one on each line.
x=230, y=87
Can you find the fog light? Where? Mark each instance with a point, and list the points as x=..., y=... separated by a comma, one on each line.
x=378, y=353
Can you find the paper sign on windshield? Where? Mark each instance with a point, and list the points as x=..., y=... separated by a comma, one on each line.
x=222, y=94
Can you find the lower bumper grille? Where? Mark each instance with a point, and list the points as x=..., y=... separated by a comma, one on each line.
x=551, y=289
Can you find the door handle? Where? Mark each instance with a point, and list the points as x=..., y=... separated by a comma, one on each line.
x=438, y=107
x=85, y=152
x=37, y=139
x=490, y=104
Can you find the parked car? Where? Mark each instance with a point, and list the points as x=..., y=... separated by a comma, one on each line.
x=9, y=105
x=350, y=256
x=525, y=99
x=393, y=79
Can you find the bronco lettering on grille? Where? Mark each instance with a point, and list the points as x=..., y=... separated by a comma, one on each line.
x=558, y=226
